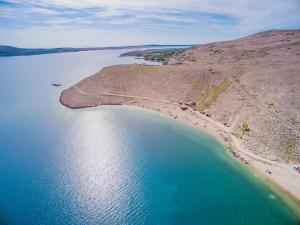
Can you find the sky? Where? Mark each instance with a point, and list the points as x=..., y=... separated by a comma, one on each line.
x=88, y=23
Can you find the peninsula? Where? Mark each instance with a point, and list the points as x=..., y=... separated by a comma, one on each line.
x=246, y=92
x=14, y=51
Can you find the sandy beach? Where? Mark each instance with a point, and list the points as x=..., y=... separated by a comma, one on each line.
x=150, y=112
x=250, y=84
x=283, y=176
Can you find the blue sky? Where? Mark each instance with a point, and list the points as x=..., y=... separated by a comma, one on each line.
x=57, y=23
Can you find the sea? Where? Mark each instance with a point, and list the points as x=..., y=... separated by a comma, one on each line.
x=114, y=164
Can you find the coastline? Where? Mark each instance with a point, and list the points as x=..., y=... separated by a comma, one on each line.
x=283, y=179
x=227, y=81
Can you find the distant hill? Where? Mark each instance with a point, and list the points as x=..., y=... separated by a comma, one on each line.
x=14, y=51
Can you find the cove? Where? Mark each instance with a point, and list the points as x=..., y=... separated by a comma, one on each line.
x=113, y=165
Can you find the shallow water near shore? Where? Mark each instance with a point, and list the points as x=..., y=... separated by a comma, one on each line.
x=113, y=165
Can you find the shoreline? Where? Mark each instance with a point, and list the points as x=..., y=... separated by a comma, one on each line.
x=281, y=179
x=254, y=163
x=238, y=82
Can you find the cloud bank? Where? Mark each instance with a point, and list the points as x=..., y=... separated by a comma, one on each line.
x=40, y=23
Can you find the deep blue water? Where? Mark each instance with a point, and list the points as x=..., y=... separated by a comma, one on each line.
x=112, y=165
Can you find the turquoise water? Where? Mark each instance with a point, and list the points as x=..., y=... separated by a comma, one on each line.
x=112, y=165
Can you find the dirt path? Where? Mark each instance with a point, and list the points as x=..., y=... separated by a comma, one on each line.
x=219, y=125
x=124, y=96
x=266, y=109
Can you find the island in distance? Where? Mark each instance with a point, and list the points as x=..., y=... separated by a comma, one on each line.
x=251, y=85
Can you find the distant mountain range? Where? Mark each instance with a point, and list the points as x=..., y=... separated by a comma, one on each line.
x=14, y=51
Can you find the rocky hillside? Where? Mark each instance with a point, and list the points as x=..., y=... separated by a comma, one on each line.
x=252, y=83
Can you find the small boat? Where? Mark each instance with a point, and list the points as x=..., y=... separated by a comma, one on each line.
x=56, y=84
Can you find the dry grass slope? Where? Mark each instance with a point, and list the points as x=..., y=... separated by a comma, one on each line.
x=254, y=79
x=211, y=95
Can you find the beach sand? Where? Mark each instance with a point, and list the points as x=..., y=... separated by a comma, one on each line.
x=283, y=178
x=252, y=81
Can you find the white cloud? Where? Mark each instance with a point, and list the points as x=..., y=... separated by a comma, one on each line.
x=194, y=21
x=255, y=12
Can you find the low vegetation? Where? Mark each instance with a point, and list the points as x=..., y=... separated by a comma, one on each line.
x=161, y=56
x=211, y=95
x=290, y=147
x=245, y=127
x=157, y=55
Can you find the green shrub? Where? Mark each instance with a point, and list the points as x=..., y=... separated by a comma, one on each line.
x=245, y=126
